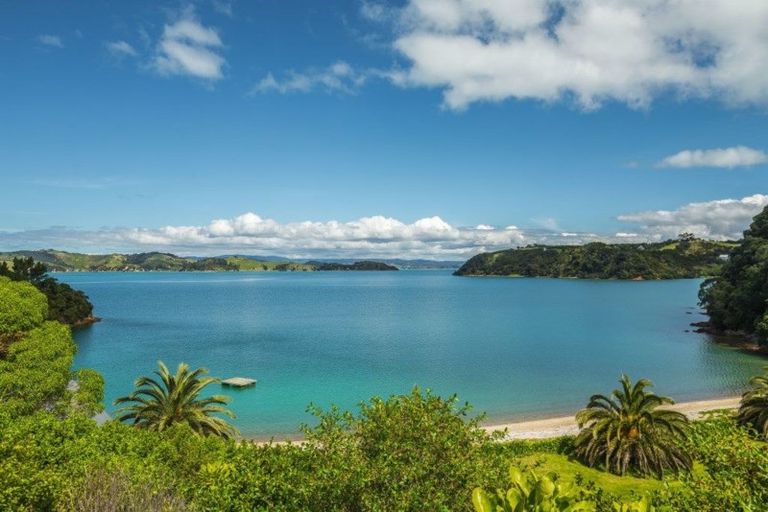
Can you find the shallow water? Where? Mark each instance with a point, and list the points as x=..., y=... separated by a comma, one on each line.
x=514, y=348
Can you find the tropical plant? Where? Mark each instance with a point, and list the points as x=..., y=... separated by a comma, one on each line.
x=644, y=504
x=628, y=432
x=159, y=404
x=530, y=493
x=753, y=410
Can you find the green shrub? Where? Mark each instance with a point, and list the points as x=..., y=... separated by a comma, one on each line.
x=22, y=307
x=36, y=369
x=736, y=476
x=530, y=492
x=89, y=396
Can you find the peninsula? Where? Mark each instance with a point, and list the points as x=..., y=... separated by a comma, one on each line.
x=686, y=257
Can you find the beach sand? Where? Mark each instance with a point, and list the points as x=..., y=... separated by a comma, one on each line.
x=566, y=425
x=560, y=426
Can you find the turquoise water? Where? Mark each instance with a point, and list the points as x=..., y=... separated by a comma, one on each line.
x=514, y=348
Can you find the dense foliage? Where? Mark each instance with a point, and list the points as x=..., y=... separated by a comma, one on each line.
x=159, y=403
x=65, y=304
x=672, y=259
x=22, y=307
x=529, y=492
x=735, y=470
x=737, y=299
x=753, y=410
x=628, y=432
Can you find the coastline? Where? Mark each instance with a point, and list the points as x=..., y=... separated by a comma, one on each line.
x=547, y=428
x=566, y=425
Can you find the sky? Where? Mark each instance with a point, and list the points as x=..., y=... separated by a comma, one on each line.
x=417, y=128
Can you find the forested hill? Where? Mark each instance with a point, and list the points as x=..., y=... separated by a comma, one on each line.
x=673, y=259
x=358, y=265
x=70, y=261
x=63, y=261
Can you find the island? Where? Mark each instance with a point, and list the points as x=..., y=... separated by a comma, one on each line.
x=685, y=257
x=358, y=265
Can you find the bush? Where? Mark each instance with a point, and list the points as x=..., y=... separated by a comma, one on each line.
x=736, y=476
x=36, y=369
x=22, y=307
x=90, y=393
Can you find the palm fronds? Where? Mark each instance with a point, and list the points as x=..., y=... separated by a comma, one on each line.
x=626, y=431
x=158, y=403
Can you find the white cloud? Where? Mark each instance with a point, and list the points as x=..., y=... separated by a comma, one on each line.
x=737, y=156
x=51, y=40
x=587, y=50
x=338, y=77
x=120, y=49
x=723, y=219
x=189, y=48
x=381, y=237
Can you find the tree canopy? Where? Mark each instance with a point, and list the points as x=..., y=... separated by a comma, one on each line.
x=737, y=299
x=685, y=257
x=65, y=304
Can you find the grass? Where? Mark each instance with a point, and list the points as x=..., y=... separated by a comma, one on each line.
x=624, y=487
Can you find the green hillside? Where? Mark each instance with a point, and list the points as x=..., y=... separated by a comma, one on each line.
x=252, y=265
x=63, y=261
x=673, y=259
x=358, y=265
x=69, y=261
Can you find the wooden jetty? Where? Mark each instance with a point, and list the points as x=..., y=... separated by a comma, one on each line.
x=238, y=382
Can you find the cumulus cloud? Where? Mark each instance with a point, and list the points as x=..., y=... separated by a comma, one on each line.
x=586, y=50
x=187, y=47
x=120, y=49
x=385, y=237
x=51, y=40
x=738, y=156
x=338, y=77
x=723, y=219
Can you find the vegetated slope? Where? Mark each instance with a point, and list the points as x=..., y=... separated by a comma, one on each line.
x=673, y=259
x=258, y=265
x=68, y=261
x=63, y=261
x=737, y=299
x=358, y=265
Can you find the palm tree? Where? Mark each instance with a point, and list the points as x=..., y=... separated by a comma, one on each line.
x=159, y=404
x=627, y=431
x=753, y=410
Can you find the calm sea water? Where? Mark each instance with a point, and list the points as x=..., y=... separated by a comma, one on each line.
x=514, y=348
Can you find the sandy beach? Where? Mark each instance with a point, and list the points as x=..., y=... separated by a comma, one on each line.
x=566, y=425
x=559, y=426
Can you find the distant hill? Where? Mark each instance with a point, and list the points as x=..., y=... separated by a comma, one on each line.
x=62, y=261
x=673, y=259
x=402, y=264
x=259, y=265
x=358, y=265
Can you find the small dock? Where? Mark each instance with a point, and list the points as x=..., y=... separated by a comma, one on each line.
x=238, y=382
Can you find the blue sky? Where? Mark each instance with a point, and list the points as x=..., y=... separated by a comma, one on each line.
x=338, y=126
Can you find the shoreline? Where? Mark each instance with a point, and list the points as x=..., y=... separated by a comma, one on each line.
x=566, y=425
x=548, y=427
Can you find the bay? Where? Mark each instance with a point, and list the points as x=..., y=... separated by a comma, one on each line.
x=514, y=348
